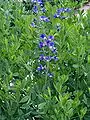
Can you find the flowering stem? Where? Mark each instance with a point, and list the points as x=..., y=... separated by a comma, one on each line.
x=47, y=69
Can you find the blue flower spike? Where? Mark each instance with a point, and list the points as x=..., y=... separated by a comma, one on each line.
x=48, y=42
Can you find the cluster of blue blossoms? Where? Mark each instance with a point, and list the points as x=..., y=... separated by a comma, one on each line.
x=43, y=18
x=38, y=3
x=60, y=11
x=49, y=43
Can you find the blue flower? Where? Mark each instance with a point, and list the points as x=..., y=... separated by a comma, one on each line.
x=50, y=75
x=41, y=44
x=34, y=1
x=33, y=24
x=40, y=2
x=43, y=9
x=67, y=10
x=56, y=15
x=47, y=42
x=44, y=18
x=51, y=44
x=35, y=9
x=54, y=50
x=47, y=58
x=43, y=36
x=40, y=68
x=61, y=10
x=41, y=57
x=55, y=58
x=51, y=37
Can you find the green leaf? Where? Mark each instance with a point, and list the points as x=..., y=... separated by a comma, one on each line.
x=25, y=99
x=89, y=59
x=49, y=91
x=83, y=112
x=75, y=65
x=41, y=105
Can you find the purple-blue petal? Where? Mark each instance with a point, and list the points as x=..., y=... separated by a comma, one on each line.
x=47, y=42
x=41, y=57
x=33, y=24
x=34, y=1
x=50, y=74
x=47, y=58
x=43, y=9
x=60, y=10
x=44, y=18
x=56, y=15
x=67, y=10
x=51, y=37
x=51, y=44
x=43, y=36
x=35, y=9
x=39, y=1
x=41, y=44
x=54, y=50
x=55, y=58
x=40, y=67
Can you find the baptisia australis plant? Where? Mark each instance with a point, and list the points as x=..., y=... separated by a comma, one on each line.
x=48, y=45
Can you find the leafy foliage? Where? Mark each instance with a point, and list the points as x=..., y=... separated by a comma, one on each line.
x=60, y=88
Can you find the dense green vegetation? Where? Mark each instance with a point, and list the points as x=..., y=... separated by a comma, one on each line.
x=44, y=60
